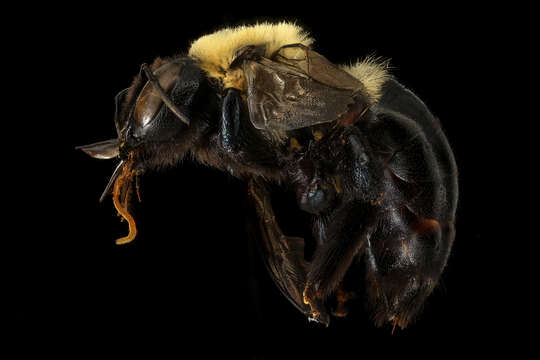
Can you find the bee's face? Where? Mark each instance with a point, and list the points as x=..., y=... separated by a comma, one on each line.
x=161, y=114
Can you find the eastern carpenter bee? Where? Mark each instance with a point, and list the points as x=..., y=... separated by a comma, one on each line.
x=363, y=155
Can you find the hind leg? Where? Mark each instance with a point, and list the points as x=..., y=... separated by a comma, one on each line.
x=345, y=237
x=351, y=222
x=405, y=259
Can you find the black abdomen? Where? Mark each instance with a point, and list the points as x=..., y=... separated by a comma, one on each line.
x=398, y=100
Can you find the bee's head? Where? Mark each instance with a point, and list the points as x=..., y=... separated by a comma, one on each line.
x=169, y=104
x=167, y=110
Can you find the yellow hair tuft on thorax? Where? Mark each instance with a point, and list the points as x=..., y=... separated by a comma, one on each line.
x=216, y=51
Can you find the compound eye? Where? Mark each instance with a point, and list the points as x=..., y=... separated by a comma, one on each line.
x=149, y=102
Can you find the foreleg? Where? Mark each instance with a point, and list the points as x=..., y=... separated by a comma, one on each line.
x=239, y=139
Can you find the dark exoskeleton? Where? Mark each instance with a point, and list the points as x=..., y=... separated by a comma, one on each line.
x=378, y=178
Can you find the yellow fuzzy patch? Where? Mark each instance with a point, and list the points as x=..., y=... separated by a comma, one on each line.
x=372, y=72
x=216, y=51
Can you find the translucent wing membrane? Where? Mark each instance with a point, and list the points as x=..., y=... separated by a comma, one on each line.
x=298, y=88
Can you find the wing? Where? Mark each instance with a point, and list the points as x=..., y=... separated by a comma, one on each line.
x=298, y=88
x=283, y=255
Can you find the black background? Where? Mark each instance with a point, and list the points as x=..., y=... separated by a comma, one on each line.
x=190, y=281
